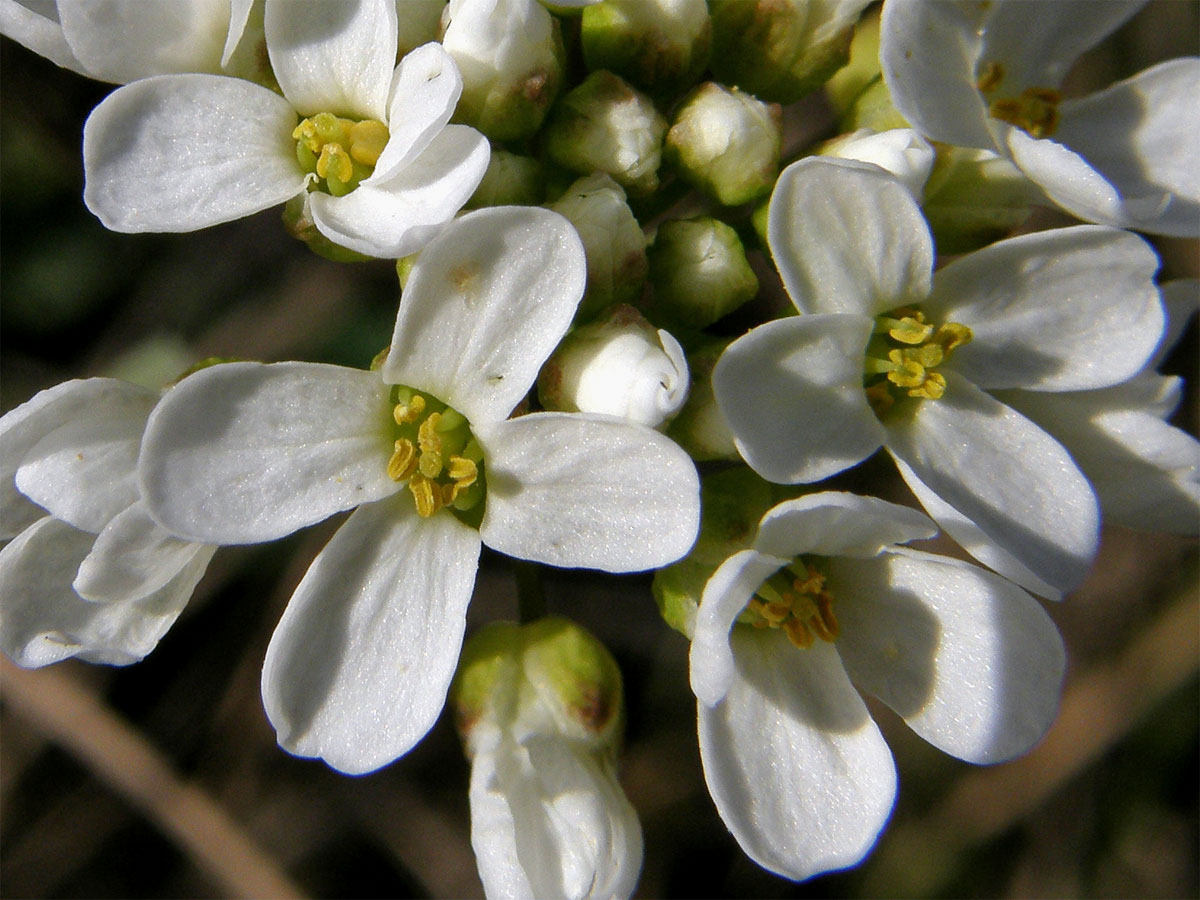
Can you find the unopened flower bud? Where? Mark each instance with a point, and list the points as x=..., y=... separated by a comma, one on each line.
x=612, y=238
x=699, y=272
x=700, y=428
x=975, y=197
x=900, y=151
x=848, y=83
x=620, y=366
x=780, y=50
x=417, y=23
x=605, y=125
x=510, y=54
x=510, y=180
x=726, y=143
x=662, y=46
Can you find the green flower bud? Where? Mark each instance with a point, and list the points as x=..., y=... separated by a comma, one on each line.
x=612, y=239
x=605, y=125
x=619, y=366
x=699, y=428
x=662, y=46
x=849, y=82
x=699, y=272
x=975, y=197
x=873, y=109
x=726, y=143
x=576, y=681
x=418, y=22
x=510, y=54
x=734, y=501
x=487, y=682
x=781, y=50
x=510, y=180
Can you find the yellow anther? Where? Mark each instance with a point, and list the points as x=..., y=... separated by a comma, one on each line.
x=427, y=436
x=798, y=634
x=335, y=162
x=463, y=471
x=880, y=398
x=321, y=129
x=405, y=414
x=911, y=330
x=990, y=77
x=951, y=335
x=427, y=495
x=404, y=460
x=906, y=372
x=932, y=388
x=1034, y=111
x=430, y=464
x=367, y=140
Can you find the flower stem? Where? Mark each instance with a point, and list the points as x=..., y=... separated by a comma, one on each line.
x=531, y=596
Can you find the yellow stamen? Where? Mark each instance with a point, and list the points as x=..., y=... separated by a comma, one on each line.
x=1034, y=111
x=428, y=499
x=407, y=414
x=911, y=365
x=463, y=471
x=990, y=78
x=800, y=607
x=367, y=140
x=404, y=460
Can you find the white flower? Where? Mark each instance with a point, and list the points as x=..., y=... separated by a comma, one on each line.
x=988, y=75
x=123, y=40
x=182, y=152
x=619, y=366
x=541, y=712
x=358, y=668
x=1074, y=309
x=797, y=768
x=899, y=151
x=87, y=572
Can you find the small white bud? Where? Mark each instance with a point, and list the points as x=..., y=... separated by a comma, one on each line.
x=900, y=151
x=620, y=366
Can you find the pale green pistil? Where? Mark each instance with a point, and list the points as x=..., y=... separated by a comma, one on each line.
x=340, y=152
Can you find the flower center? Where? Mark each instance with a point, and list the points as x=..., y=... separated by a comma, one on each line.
x=902, y=355
x=795, y=600
x=340, y=152
x=435, y=452
x=1034, y=110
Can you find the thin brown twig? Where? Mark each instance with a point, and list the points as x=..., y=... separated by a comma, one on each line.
x=75, y=718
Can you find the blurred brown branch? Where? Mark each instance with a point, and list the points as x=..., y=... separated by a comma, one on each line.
x=71, y=715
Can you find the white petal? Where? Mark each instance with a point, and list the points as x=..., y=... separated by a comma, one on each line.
x=239, y=18
x=1006, y=475
x=398, y=216
x=834, y=523
x=901, y=152
x=34, y=24
x=550, y=821
x=728, y=590
x=1145, y=472
x=568, y=489
x=43, y=621
x=1181, y=298
x=791, y=392
x=1066, y=309
x=244, y=452
x=928, y=51
x=1037, y=42
x=23, y=426
x=848, y=238
x=425, y=88
x=798, y=770
x=974, y=539
x=971, y=661
x=485, y=304
x=124, y=40
x=182, y=152
x=334, y=56
x=358, y=668
x=131, y=558
x=83, y=471
x=1143, y=136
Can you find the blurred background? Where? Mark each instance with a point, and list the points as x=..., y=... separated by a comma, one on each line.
x=163, y=779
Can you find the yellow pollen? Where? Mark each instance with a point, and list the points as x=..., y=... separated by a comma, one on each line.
x=909, y=366
x=404, y=460
x=800, y=607
x=1034, y=111
x=407, y=414
x=340, y=151
x=990, y=78
x=434, y=451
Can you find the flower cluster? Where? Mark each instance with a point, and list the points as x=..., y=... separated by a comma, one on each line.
x=640, y=327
